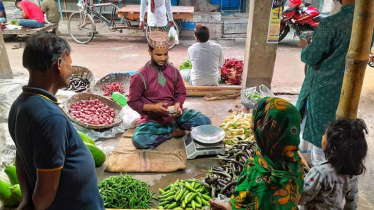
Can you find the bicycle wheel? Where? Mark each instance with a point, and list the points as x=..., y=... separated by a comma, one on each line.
x=81, y=27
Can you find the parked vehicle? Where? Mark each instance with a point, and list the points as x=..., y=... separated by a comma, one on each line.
x=300, y=17
x=371, y=60
x=82, y=24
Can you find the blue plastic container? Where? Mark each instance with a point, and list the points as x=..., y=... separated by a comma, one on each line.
x=174, y=2
x=188, y=26
x=231, y=5
x=215, y=2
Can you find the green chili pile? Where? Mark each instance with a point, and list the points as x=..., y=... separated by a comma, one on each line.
x=125, y=192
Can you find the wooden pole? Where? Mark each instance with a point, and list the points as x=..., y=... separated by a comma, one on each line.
x=5, y=70
x=357, y=59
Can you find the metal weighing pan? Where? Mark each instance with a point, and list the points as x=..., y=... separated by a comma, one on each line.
x=208, y=134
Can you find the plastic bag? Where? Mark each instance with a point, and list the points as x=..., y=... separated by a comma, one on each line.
x=250, y=96
x=173, y=35
x=265, y=91
x=130, y=117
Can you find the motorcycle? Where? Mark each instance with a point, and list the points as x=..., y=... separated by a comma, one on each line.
x=300, y=17
x=371, y=60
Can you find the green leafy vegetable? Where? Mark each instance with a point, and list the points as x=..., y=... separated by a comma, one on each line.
x=185, y=65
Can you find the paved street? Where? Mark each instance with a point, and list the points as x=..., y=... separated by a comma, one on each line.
x=115, y=52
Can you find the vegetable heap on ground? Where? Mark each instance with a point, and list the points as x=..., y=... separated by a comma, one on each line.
x=231, y=72
x=237, y=128
x=185, y=65
x=93, y=112
x=10, y=193
x=239, y=143
x=184, y=194
x=125, y=192
x=222, y=179
x=112, y=87
x=78, y=84
x=98, y=155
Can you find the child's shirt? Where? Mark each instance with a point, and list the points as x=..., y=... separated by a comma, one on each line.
x=324, y=189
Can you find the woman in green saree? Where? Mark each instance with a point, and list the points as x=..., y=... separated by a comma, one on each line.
x=273, y=178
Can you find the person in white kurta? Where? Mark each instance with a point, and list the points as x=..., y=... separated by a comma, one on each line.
x=159, y=13
x=206, y=58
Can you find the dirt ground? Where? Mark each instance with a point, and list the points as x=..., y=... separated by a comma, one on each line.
x=114, y=52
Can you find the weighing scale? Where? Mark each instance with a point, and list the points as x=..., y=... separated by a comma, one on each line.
x=204, y=140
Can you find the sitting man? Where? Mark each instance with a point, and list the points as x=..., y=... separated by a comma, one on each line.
x=155, y=89
x=206, y=58
x=50, y=8
x=32, y=14
x=2, y=13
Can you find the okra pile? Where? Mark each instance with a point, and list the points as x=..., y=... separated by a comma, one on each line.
x=184, y=194
x=125, y=192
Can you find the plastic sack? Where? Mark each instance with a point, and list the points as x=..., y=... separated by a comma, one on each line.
x=173, y=35
x=130, y=117
x=250, y=96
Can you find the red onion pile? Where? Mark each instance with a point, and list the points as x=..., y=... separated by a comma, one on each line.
x=93, y=112
x=112, y=87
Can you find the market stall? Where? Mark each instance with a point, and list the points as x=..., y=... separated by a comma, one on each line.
x=19, y=30
x=132, y=12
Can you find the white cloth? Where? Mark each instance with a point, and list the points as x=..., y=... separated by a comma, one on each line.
x=158, y=17
x=336, y=7
x=206, y=59
x=317, y=156
x=324, y=189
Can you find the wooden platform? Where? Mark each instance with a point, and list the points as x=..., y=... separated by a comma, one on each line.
x=216, y=90
x=29, y=31
x=132, y=12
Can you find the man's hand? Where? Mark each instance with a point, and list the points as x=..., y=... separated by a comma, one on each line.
x=303, y=43
x=216, y=205
x=159, y=108
x=46, y=188
x=171, y=23
x=141, y=25
x=178, y=110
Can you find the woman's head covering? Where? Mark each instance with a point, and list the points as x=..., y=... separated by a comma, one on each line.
x=273, y=178
x=277, y=128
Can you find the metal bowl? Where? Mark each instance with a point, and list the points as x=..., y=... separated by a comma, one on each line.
x=208, y=134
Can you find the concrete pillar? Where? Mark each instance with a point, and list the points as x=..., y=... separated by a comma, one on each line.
x=259, y=57
x=5, y=70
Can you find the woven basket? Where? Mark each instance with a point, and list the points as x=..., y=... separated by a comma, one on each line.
x=122, y=78
x=84, y=73
x=86, y=96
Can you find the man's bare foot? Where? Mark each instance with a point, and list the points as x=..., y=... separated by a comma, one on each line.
x=178, y=133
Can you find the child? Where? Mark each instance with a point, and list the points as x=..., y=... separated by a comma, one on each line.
x=333, y=183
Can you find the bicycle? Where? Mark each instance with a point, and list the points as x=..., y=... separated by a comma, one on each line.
x=82, y=27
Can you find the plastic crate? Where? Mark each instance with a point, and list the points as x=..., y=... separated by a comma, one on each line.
x=231, y=5
x=188, y=26
x=174, y=2
x=228, y=4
